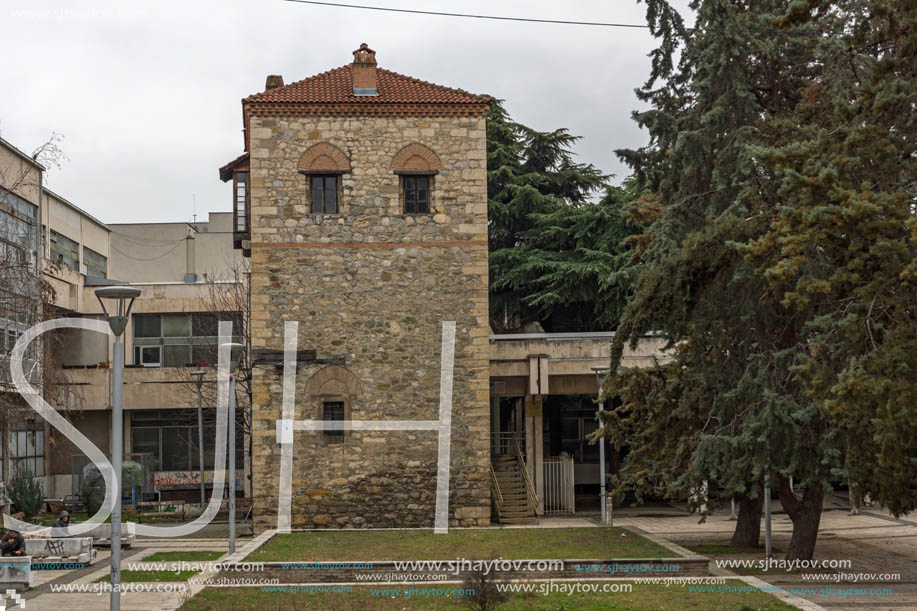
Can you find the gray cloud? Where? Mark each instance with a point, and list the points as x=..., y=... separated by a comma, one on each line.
x=148, y=100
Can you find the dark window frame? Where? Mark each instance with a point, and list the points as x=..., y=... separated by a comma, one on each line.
x=337, y=407
x=410, y=189
x=324, y=178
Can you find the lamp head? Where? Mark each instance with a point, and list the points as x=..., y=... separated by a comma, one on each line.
x=198, y=376
x=124, y=297
x=600, y=370
x=235, y=354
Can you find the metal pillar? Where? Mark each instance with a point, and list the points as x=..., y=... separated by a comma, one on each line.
x=117, y=445
x=232, y=463
x=199, y=381
x=768, y=547
x=600, y=371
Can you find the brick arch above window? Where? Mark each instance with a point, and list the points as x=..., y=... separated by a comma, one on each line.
x=333, y=380
x=416, y=158
x=324, y=158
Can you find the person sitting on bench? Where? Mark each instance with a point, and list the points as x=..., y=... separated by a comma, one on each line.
x=62, y=521
x=12, y=544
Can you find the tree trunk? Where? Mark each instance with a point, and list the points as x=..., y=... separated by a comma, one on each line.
x=806, y=516
x=748, y=526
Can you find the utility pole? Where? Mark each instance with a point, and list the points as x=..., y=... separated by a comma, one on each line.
x=199, y=381
x=235, y=352
x=600, y=379
x=123, y=297
x=768, y=547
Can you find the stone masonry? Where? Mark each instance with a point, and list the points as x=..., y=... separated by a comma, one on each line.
x=370, y=287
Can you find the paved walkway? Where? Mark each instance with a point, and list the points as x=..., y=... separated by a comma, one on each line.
x=42, y=597
x=874, y=542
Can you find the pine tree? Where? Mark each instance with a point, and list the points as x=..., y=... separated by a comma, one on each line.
x=735, y=343
x=552, y=249
x=843, y=245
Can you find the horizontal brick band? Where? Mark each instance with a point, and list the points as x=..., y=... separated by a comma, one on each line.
x=368, y=244
x=382, y=109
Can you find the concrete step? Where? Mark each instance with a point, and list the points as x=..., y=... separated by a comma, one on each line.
x=531, y=520
x=521, y=510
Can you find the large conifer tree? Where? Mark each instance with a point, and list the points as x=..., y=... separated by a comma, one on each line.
x=554, y=251
x=735, y=342
x=782, y=263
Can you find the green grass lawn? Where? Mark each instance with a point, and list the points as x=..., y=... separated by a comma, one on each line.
x=642, y=598
x=182, y=556
x=518, y=543
x=164, y=576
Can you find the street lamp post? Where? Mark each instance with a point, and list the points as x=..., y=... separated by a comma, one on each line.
x=235, y=352
x=124, y=297
x=198, y=377
x=599, y=377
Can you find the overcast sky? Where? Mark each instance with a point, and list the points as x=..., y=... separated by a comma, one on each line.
x=148, y=101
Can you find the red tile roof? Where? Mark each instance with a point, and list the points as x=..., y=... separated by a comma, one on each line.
x=336, y=87
x=226, y=170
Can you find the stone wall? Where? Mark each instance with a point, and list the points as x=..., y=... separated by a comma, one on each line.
x=371, y=286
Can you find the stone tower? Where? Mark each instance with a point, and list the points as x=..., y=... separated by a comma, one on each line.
x=362, y=199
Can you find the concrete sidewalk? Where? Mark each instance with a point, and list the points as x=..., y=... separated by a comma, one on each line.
x=875, y=542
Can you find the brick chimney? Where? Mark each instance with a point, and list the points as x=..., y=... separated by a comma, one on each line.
x=365, y=81
x=273, y=82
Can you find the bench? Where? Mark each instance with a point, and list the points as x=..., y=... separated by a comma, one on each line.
x=159, y=513
x=101, y=534
x=61, y=550
x=16, y=573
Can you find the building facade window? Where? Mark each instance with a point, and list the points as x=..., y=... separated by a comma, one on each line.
x=18, y=221
x=65, y=251
x=241, y=201
x=180, y=340
x=27, y=451
x=333, y=411
x=170, y=436
x=19, y=291
x=415, y=193
x=95, y=265
x=324, y=189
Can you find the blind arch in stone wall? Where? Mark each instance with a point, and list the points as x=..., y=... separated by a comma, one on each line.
x=332, y=383
x=324, y=158
x=333, y=380
x=416, y=157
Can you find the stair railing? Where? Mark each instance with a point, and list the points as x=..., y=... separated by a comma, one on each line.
x=530, y=487
x=495, y=488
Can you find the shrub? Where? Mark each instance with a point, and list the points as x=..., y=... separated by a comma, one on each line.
x=26, y=492
x=483, y=585
x=92, y=490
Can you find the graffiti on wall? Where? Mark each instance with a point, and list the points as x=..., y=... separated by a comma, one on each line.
x=186, y=480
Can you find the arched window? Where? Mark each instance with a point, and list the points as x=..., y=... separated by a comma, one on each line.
x=416, y=165
x=331, y=391
x=323, y=165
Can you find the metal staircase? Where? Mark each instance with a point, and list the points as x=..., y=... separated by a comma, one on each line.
x=512, y=489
